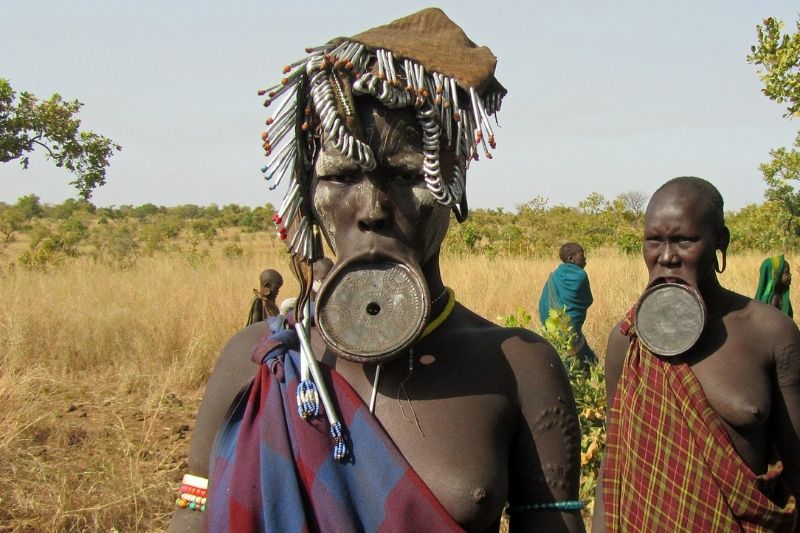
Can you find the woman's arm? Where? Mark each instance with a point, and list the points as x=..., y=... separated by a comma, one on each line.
x=233, y=371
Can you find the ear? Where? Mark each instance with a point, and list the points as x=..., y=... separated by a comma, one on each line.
x=724, y=239
x=266, y=291
x=461, y=210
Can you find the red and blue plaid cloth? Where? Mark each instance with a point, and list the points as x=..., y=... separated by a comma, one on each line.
x=670, y=464
x=273, y=471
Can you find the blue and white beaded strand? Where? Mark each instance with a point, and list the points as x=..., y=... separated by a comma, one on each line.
x=566, y=505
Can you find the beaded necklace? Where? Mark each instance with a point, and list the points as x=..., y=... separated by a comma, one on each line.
x=430, y=328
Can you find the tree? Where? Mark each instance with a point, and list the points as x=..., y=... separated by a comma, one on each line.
x=633, y=201
x=30, y=206
x=779, y=56
x=26, y=123
x=11, y=221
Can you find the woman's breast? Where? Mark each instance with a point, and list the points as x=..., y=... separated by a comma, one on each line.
x=738, y=390
x=740, y=394
x=461, y=453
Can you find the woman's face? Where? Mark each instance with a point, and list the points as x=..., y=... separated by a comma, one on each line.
x=786, y=275
x=387, y=212
x=679, y=242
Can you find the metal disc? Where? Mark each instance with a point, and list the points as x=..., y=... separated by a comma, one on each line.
x=670, y=318
x=370, y=312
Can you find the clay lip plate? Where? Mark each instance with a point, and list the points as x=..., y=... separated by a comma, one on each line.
x=670, y=317
x=372, y=311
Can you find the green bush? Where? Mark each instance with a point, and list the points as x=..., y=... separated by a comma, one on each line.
x=232, y=251
x=117, y=245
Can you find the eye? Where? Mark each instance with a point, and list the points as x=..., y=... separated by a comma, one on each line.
x=344, y=178
x=684, y=240
x=407, y=177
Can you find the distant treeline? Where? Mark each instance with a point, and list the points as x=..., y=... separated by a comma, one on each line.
x=119, y=234
x=537, y=228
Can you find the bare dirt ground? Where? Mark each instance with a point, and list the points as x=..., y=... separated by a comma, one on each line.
x=99, y=459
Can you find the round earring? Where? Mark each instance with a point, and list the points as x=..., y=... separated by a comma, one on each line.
x=719, y=269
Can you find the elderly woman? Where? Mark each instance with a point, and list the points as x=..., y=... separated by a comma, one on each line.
x=707, y=439
x=394, y=407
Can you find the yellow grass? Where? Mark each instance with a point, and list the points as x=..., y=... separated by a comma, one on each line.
x=103, y=370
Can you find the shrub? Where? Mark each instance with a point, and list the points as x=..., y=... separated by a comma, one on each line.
x=232, y=251
x=117, y=245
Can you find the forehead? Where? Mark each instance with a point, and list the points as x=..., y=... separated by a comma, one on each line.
x=674, y=207
x=269, y=277
x=393, y=135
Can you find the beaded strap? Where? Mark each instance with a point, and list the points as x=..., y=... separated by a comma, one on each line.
x=307, y=399
x=193, y=493
x=566, y=505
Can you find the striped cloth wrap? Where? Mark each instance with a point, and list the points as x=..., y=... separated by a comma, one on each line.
x=271, y=470
x=670, y=464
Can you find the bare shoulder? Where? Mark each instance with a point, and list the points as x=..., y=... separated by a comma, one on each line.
x=768, y=319
x=533, y=362
x=774, y=330
x=782, y=338
x=242, y=342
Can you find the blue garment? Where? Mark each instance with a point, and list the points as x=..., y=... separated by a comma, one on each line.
x=271, y=470
x=568, y=286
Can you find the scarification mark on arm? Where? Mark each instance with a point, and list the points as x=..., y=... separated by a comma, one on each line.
x=787, y=364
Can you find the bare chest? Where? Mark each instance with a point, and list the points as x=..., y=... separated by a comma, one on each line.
x=735, y=376
x=455, y=433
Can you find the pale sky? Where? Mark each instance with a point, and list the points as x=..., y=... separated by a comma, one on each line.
x=604, y=96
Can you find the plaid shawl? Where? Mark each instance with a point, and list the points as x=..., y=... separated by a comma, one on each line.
x=273, y=471
x=670, y=464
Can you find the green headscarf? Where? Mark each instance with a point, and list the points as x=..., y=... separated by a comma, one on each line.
x=769, y=276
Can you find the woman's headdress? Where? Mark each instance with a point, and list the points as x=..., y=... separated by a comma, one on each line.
x=424, y=61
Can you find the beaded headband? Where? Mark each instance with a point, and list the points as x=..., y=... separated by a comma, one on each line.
x=314, y=101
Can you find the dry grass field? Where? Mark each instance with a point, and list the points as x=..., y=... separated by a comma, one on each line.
x=103, y=370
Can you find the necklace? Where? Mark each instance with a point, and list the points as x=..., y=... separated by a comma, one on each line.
x=430, y=328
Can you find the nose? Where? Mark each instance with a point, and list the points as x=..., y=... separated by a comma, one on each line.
x=667, y=255
x=374, y=213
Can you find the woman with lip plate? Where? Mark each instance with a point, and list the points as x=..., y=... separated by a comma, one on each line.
x=709, y=439
x=394, y=407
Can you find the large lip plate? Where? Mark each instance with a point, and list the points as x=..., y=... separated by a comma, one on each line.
x=670, y=318
x=355, y=334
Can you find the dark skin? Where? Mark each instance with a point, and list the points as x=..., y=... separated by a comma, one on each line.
x=495, y=413
x=270, y=283
x=782, y=285
x=573, y=253
x=748, y=356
